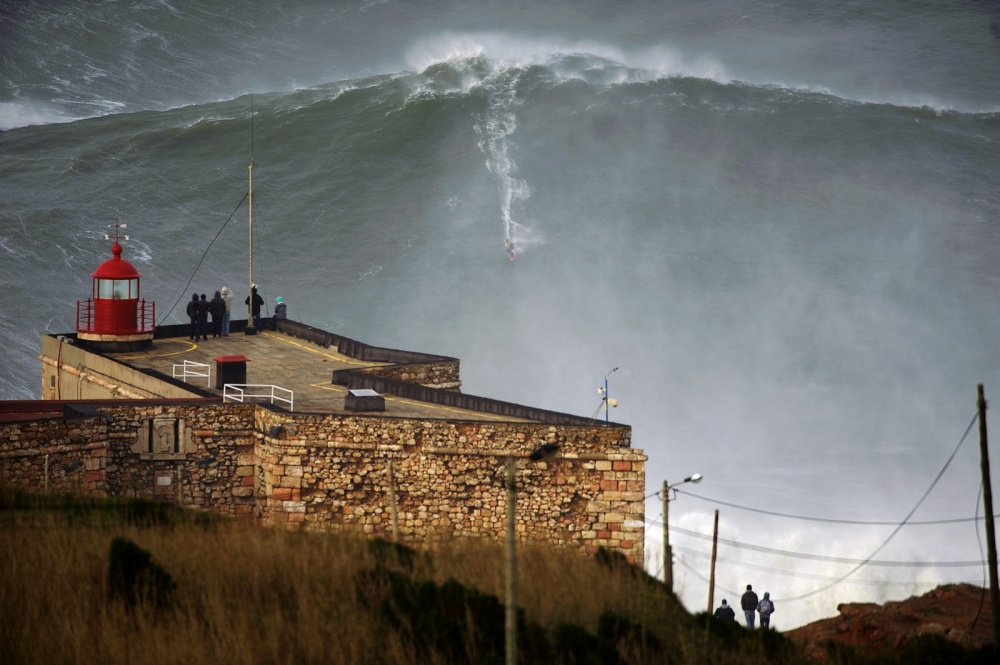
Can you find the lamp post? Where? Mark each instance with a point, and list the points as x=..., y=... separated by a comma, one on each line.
x=668, y=572
x=543, y=453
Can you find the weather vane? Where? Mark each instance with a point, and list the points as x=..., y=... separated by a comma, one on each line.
x=117, y=225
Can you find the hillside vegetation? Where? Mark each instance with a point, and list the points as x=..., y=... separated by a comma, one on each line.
x=133, y=583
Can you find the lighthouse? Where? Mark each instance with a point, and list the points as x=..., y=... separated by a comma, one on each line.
x=114, y=319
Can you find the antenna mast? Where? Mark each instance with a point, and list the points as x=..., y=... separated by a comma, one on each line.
x=250, y=321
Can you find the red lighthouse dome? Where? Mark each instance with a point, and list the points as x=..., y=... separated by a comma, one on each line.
x=113, y=318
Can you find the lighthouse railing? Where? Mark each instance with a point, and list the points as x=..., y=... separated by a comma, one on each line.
x=85, y=315
x=145, y=317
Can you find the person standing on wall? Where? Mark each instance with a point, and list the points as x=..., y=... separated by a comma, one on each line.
x=255, y=302
x=203, y=309
x=749, y=604
x=227, y=297
x=192, y=312
x=218, y=309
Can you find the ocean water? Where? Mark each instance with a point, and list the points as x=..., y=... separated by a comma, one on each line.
x=777, y=219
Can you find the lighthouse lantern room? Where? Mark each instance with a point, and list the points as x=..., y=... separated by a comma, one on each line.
x=114, y=318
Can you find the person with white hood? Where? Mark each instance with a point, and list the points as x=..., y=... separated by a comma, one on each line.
x=227, y=297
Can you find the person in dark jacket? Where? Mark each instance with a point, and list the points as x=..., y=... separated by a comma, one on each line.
x=192, y=312
x=218, y=310
x=203, y=309
x=725, y=612
x=749, y=604
x=255, y=302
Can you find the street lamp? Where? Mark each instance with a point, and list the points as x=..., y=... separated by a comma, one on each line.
x=668, y=564
x=543, y=453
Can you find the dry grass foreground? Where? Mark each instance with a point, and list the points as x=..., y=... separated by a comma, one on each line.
x=106, y=581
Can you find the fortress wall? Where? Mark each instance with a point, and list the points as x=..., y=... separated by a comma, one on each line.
x=198, y=456
x=331, y=473
x=65, y=456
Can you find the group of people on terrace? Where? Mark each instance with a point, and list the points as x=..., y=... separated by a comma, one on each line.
x=220, y=308
x=750, y=605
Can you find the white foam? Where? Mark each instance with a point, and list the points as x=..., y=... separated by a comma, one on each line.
x=16, y=115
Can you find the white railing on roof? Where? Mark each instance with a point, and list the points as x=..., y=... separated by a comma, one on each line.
x=190, y=368
x=240, y=392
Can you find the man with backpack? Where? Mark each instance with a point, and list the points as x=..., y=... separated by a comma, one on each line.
x=765, y=607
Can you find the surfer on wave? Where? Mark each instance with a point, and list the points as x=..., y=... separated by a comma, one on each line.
x=508, y=244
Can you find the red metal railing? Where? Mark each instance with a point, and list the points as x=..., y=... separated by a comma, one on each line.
x=115, y=317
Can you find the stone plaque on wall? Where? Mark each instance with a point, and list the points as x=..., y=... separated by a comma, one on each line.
x=164, y=436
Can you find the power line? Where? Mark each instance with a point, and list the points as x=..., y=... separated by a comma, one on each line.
x=830, y=559
x=201, y=260
x=791, y=573
x=901, y=524
x=957, y=520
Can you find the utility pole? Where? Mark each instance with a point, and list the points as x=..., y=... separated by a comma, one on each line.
x=510, y=646
x=991, y=543
x=394, y=511
x=668, y=573
x=711, y=577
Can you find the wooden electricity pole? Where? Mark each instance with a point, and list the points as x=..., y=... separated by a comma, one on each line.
x=991, y=543
x=668, y=572
x=393, y=508
x=711, y=577
x=510, y=642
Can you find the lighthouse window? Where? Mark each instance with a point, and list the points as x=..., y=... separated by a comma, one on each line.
x=118, y=289
x=121, y=289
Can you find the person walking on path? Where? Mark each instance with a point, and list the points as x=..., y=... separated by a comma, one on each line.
x=192, y=312
x=255, y=302
x=725, y=612
x=203, y=309
x=765, y=607
x=218, y=309
x=749, y=604
x=227, y=297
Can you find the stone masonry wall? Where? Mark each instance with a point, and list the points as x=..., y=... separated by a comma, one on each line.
x=60, y=455
x=330, y=472
x=211, y=467
x=441, y=374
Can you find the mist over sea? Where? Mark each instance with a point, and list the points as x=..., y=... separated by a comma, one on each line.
x=779, y=219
